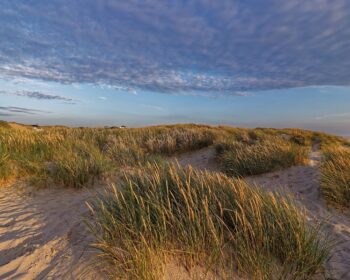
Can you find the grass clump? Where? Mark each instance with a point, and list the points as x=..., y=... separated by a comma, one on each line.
x=78, y=164
x=256, y=157
x=5, y=164
x=171, y=141
x=335, y=176
x=202, y=219
x=4, y=124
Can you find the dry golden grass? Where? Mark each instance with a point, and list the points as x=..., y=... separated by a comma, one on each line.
x=78, y=156
x=201, y=219
x=335, y=176
x=256, y=156
x=75, y=157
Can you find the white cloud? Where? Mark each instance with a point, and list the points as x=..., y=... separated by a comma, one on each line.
x=153, y=107
x=334, y=116
x=242, y=93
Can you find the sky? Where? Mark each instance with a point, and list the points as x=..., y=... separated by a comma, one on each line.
x=246, y=63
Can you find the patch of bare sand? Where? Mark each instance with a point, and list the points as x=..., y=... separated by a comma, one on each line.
x=203, y=159
x=42, y=235
x=303, y=183
x=174, y=271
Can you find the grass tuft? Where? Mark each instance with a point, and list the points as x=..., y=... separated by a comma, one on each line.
x=335, y=176
x=201, y=219
x=255, y=157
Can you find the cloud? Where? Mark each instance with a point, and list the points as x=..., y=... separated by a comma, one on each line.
x=334, y=116
x=153, y=107
x=38, y=95
x=5, y=114
x=102, y=97
x=242, y=93
x=194, y=47
x=9, y=110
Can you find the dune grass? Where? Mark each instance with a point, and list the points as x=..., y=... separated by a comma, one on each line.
x=4, y=124
x=81, y=156
x=335, y=176
x=162, y=213
x=75, y=157
x=259, y=156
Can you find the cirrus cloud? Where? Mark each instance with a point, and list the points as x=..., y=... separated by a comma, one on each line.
x=38, y=95
x=13, y=110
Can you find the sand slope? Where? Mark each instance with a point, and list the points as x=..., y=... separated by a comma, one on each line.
x=42, y=235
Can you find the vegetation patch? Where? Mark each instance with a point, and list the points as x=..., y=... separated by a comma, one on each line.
x=335, y=176
x=80, y=156
x=159, y=213
x=75, y=157
x=255, y=157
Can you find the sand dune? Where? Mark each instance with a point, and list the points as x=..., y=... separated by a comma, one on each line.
x=303, y=183
x=42, y=235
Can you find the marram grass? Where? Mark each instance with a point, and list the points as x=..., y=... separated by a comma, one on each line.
x=162, y=213
x=335, y=176
x=76, y=157
x=255, y=157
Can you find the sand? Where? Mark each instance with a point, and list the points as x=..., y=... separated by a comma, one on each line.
x=203, y=159
x=42, y=235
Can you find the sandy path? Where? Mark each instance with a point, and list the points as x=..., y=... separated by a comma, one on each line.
x=42, y=235
x=303, y=183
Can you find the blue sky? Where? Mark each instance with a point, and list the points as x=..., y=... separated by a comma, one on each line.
x=245, y=63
